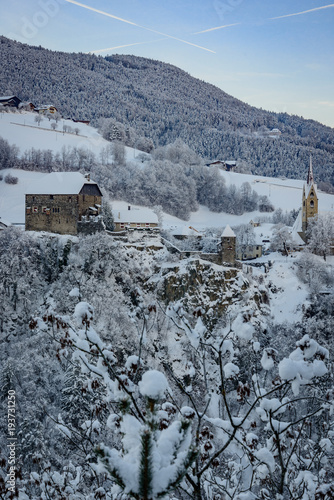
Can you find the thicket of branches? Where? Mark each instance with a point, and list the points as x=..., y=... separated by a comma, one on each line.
x=139, y=397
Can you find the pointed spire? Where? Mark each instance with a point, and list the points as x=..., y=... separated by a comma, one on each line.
x=310, y=178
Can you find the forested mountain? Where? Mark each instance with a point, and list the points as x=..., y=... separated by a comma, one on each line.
x=164, y=103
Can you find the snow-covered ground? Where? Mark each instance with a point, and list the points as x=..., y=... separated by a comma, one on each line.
x=21, y=129
x=288, y=296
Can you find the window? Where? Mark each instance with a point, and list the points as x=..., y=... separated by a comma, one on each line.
x=35, y=210
x=70, y=199
x=51, y=196
x=312, y=204
x=311, y=194
x=28, y=210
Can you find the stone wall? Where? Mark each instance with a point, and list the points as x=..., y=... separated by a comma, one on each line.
x=90, y=226
x=52, y=213
x=58, y=213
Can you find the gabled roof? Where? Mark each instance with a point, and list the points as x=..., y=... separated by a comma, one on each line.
x=60, y=183
x=228, y=232
x=135, y=216
x=7, y=97
x=186, y=231
x=46, y=106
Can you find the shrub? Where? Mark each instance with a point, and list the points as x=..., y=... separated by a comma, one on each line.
x=10, y=179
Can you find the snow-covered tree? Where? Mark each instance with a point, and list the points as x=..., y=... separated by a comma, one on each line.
x=320, y=234
x=282, y=239
x=245, y=235
x=107, y=216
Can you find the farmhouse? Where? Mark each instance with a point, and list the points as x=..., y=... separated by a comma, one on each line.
x=229, y=166
x=64, y=203
x=27, y=106
x=135, y=219
x=44, y=108
x=10, y=101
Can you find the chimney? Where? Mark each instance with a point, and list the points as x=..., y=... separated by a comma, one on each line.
x=87, y=177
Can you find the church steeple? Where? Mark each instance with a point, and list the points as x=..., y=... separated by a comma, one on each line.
x=310, y=178
x=309, y=202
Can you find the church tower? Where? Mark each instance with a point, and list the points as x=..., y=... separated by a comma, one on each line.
x=309, y=202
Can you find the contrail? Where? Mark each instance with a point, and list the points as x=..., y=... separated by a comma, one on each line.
x=304, y=12
x=121, y=46
x=137, y=25
x=217, y=28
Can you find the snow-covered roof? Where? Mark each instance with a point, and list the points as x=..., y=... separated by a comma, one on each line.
x=297, y=228
x=60, y=183
x=228, y=232
x=186, y=231
x=135, y=216
x=6, y=97
x=46, y=106
x=308, y=189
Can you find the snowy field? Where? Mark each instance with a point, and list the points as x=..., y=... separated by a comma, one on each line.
x=21, y=129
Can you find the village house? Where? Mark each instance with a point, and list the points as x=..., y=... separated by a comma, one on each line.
x=229, y=166
x=275, y=132
x=249, y=252
x=10, y=101
x=27, y=106
x=142, y=219
x=46, y=108
x=64, y=203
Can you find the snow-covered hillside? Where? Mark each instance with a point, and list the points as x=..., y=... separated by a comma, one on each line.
x=22, y=130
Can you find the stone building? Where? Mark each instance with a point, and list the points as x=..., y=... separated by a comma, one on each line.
x=64, y=203
x=227, y=246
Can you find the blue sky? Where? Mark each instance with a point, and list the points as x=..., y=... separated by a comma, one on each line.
x=274, y=55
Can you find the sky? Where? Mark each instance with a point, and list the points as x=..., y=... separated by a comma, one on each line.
x=277, y=56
